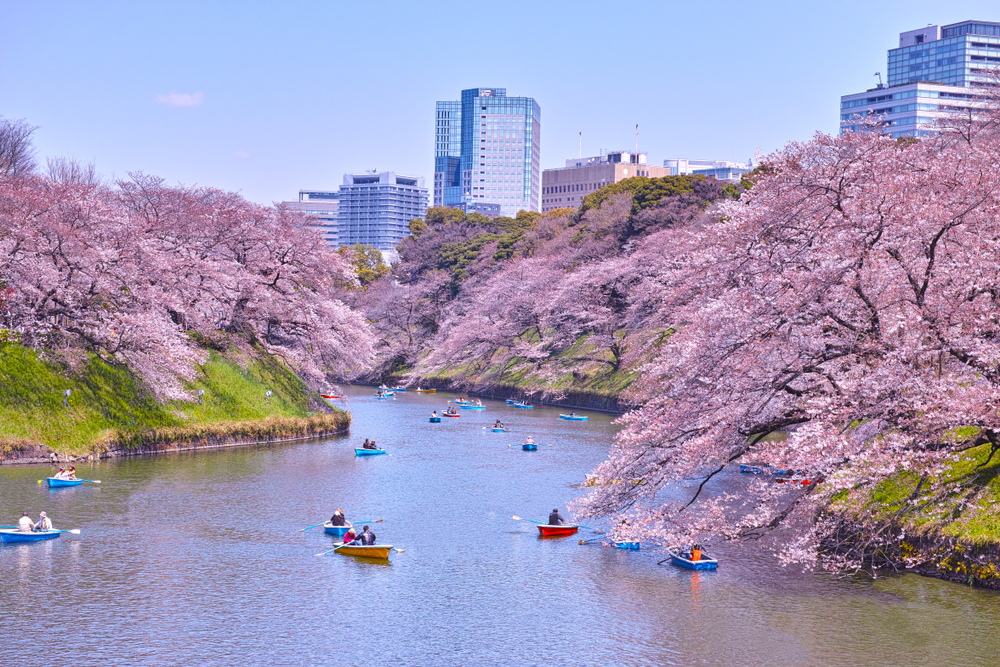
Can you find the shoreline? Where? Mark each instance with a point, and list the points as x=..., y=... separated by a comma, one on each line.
x=575, y=400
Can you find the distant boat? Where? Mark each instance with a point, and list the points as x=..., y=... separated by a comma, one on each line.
x=472, y=407
x=434, y=420
x=384, y=394
x=330, y=396
x=339, y=531
x=706, y=562
x=55, y=482
x=500, y=430
x=528, y=447
x=753, y=468
x=546, y=530
x=524, y=405
x=511, y=401
x=448, y=414
x=7, y=536
x=627, y=546
x=368, y=452
x=426, y=391
x=574, y=418
x=398, y=388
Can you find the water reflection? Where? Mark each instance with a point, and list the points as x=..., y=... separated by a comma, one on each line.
x=194, y=559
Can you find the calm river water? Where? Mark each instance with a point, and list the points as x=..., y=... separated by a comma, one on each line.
x=194, y=560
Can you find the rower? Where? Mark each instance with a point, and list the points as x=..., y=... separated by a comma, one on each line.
x=71, y=473
x=572, y=414
x=555, y=519
x=25, y=524
x=349, y=536
x=61, y=474
x=367, y=444
x=434, y=414
x=366, y=537
x=44, y=522
x=498, y=424
x=696, y=552
x=338, y=518
x=370, y=445
x=479, y=403
x=529, y=440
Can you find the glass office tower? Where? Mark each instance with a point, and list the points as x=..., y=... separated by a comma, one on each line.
x=487, y=155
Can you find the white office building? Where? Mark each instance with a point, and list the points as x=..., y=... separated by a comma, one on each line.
x=321, y=206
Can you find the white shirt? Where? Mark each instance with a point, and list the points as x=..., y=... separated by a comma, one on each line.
x=44, y=524
x=25, y=524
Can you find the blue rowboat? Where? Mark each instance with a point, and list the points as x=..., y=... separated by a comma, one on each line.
x=706, y=562
x=399, y=389
x=8, y=536
x=368, y=452
x=511, y=401
x=339, y=531
x=525, y=406
x=753, y=469
x=499, y=430
x=529, y=448
x=573, y=418
x=627, y=546
x=434, y=420
x=466, y=406
x=55, y=483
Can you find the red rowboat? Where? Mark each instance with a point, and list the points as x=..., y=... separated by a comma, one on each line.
x=445, y=414
x=557, y=531
x=325, y=396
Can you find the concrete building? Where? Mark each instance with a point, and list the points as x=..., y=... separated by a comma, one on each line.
x=376, y=208
x=567, y=186
x=724, y=170
x=486, y=152
x=322, y=205
x=934, y=71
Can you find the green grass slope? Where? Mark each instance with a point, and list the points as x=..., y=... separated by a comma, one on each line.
x=109, y=406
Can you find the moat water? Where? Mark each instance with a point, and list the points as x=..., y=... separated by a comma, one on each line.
x=194, y=559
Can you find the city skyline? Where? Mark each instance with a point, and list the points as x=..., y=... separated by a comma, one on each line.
x=260, y=101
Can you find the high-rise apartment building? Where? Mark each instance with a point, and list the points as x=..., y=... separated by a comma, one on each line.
x=932, y=73
x=567, y=186
x=321, y=205
x=486, y=153
x=376, y=208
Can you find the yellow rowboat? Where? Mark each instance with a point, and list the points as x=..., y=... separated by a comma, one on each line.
x=427, y=391
x=374, y=551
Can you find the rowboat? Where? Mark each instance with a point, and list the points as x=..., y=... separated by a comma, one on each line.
x=524, y=405
x=573, y=418
x=426, y=391
x=529, y=448
x=398, y=388
x=753, y=468
x=511, y=401
x=330, y=396
x=706, y=562
x=8, y=536
x=793, y=480
x=368, y=452
x=55, y=482
x=445, y=414
x=627, y=546
x=384, y=394
x=500, y=430
x=339, y=531
x=471, y=407
x=459, y=401
x=374, y=551
x=546, y=530
x=434, y=420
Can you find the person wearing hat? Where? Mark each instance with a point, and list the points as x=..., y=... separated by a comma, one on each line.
x=349, y=536
x=529, y=440
x=44, y=522
x=338, y=518
x=25, y=524
x=366, y=537
x=555, y=519
x=71, y=473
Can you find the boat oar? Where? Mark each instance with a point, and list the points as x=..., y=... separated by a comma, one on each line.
x=592, y=539
x=546, y=523
x=308, y=527
x=92, y=481
x=370, y=521
x=75, y=531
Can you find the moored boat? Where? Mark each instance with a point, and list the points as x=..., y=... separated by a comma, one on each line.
x=368, y=452
x=706, y=562
x=55, y=482
x=11, y=536
x=339, y=531
x=434, y=420
x=562, y=530
x=529, y=447
x=573, y=418
x=374, y=551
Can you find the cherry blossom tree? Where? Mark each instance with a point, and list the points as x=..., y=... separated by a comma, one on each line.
x=849, y=299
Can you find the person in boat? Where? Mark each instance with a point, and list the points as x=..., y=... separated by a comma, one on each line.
x=555, y=519
x=370, y=445
x=367, y=537
x=366, y=445
x=529, y=440
x=572, y=414
x=696, y=552
x=498, y=424
x=434, y=414
x=350, y=536
x=25, y=524
x=44, y=522
x=61, y=474
x=479, y=403
x=338, y=518
x=71, y=473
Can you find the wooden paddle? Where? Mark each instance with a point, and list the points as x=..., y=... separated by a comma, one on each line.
x=75, y=531
x=349, y=523
x=93, y=481
x=546, y=523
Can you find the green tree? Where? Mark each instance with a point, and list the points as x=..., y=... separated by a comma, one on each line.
x=367, y=262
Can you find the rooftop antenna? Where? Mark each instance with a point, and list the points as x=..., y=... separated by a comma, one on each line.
x=637, y=143
x=879, y=75
x=581, y=144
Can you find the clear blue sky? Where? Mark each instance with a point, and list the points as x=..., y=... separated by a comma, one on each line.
x=267, y=98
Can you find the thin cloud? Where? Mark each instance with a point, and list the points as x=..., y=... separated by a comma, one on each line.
x=173, y=99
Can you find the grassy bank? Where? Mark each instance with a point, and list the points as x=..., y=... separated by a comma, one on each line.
x=108, y=407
